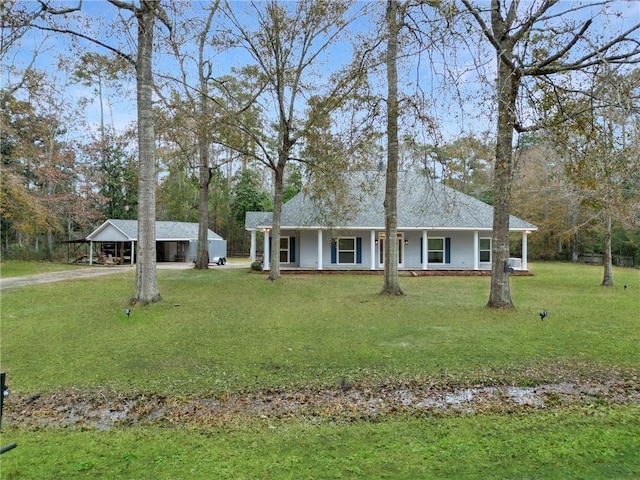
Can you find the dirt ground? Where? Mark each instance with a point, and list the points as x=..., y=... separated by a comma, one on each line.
x=103, y=410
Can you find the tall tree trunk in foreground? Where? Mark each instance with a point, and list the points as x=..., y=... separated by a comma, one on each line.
x=146, y=288
x=391, y=279
x=202, y=257
x=507, y=90
x=278, y=193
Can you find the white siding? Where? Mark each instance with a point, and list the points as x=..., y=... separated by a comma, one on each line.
x=461, y=248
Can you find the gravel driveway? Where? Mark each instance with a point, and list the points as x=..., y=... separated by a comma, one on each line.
x=50, y=277
x=88, y=272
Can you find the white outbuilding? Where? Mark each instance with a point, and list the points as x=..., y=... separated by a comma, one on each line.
x=114, y=242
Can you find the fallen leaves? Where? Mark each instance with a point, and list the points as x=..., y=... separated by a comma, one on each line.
x=99, y=410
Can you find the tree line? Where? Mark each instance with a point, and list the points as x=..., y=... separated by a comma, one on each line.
x=322, y=88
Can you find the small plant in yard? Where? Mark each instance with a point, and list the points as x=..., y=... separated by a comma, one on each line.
x=256, y=266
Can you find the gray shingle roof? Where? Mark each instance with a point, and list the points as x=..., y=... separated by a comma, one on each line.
x=164, y=230
x=255, y=219
x=422, y=203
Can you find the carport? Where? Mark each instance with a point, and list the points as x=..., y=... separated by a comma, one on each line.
x=114, y=242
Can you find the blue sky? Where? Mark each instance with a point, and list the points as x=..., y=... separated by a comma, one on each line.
x=99, y=14
x=468, y=113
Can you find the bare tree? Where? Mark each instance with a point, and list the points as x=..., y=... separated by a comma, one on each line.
x=197, y=106
x=534, y=42
x=204, y=75
x=146, y=287
x=599, y=146
x=288, y=44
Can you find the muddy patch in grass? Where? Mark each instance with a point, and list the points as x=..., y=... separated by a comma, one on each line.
x=104, y=411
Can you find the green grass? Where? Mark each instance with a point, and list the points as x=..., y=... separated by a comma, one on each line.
x=227, y=330
x=221, y=330
x=19, y=268
x=596, y=443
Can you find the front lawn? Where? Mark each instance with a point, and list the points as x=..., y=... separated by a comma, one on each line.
x=219, y=332
x=224, y=330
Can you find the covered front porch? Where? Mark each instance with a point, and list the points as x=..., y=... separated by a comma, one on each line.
x=419, y=250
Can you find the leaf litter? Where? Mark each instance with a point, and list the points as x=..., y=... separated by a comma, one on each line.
x=104, y=411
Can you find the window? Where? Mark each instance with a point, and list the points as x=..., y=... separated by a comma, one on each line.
x=436, y=250
x=346, y=250
x=284, y=249
x=485, y=250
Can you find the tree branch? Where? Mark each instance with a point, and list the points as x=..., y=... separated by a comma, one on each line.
x=533, y=18
x=487, y=31
x=595, y=56
x=52, y=11
x=121, y=54
x=125, y=5
x=567, y=47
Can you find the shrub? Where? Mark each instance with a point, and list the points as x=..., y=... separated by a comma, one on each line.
x=256, y=266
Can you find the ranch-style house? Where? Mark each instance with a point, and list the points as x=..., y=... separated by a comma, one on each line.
x=439, y=228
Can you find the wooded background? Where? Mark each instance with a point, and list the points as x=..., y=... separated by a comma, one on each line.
x=70, y=157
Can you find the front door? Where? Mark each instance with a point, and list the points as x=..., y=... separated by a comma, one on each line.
x=381, y=242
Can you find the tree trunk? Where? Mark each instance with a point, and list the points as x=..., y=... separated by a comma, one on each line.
x=391, y=279
x=202, y=260
x=146, y=288
x=274, y=256
x=507, y=87
x=607, y=279
x=574, y=237
x=202, y=257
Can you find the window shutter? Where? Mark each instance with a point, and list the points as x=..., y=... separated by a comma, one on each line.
x=358, y=249
x=421, y=253
x=447, y=250
x=334, y=252
x=292, y=249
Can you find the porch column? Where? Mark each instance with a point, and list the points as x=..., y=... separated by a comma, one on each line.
x=524, y=249
x=373, y=249
x=266, y=259
x=133, y=250
x=319, y=249
x=425, y=250
x=476, y=250
x=252, y=251
x=91, y=252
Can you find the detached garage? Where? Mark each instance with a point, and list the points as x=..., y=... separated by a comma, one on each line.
x=114, y=242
